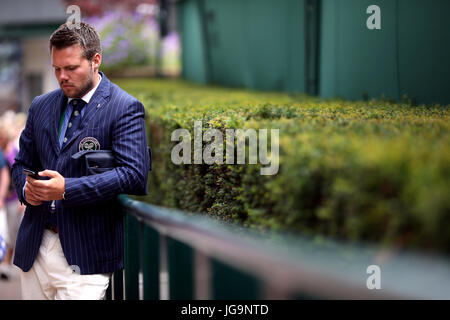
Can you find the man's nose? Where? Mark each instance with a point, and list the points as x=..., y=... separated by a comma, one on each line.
x=63, y=76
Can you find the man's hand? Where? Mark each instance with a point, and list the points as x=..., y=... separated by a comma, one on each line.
x=30, y=195
x=37, y=191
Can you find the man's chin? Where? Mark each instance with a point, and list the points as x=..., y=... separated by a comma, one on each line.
x=70, y=92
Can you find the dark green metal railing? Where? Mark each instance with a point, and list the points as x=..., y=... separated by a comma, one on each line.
x=175, y=255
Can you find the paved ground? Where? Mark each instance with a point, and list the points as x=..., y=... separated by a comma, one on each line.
x=10, y=290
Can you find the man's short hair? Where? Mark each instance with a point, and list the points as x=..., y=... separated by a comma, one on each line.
x=85, y=36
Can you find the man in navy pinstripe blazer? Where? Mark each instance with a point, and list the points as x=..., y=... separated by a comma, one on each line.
x=71, y=236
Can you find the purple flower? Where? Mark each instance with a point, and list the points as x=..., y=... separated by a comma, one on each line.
x=132, y=38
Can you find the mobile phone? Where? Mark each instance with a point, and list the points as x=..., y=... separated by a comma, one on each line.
x=31, y=173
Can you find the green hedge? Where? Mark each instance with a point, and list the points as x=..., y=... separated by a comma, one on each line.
x=372, y=171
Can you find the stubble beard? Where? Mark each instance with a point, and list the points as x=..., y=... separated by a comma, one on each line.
x=85, y=87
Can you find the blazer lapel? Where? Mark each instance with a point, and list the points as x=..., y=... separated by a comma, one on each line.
x=97, y=101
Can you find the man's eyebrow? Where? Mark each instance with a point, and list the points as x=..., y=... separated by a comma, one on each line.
x=69, y=66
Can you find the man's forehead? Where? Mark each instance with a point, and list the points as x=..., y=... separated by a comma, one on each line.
x=74, y=47
x=73, y=50
x=67, y=56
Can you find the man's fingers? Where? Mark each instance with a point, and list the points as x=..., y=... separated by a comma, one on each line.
x=49, y=173
x=30, y=180
x=32, y=187
x=36, y=183
x=40, y=195
x=39, y=183
x=29, y=194
x=34, y=194
x=32, y=199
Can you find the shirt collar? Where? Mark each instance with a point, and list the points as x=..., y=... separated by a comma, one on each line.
x=87, y=97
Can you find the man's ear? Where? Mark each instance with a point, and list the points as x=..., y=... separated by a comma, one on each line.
x=96, y=61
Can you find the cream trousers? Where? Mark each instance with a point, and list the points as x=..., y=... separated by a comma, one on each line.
x=51, y=277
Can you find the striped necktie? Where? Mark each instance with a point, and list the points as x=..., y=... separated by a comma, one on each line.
x=75, y=118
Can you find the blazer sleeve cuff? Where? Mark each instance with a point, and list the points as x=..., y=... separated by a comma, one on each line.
x=69, y=190
x=21, y=196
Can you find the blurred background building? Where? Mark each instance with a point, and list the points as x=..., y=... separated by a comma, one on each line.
x=25, y=26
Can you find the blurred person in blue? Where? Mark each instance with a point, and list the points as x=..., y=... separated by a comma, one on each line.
x=82, y=146
x=4, y=184
x=14, y=209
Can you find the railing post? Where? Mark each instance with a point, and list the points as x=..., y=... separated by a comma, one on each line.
x=231, y=284
x=131, y=258
x=150, y=263
x=163, y=268
x=180, y=271
x=202, y=276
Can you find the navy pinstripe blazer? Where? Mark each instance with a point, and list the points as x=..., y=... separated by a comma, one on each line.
x=90, y=222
